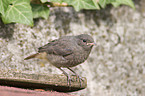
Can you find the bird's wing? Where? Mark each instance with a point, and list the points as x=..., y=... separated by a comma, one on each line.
x=57, y=48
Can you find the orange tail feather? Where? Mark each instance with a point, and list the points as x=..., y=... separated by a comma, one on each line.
x=31, y=56
x=37, y=55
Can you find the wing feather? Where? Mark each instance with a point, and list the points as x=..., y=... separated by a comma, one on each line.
x=57, y=48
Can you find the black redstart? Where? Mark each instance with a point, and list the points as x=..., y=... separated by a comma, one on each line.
x=67, y=51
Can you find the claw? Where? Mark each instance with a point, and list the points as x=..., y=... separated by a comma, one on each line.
x=68, y=78
x=80, y=80
x=78, y=77
x=68, y=81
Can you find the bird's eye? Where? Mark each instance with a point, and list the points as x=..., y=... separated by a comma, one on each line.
x=84, y=41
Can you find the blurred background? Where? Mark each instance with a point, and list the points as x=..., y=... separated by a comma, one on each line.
x=116, y=65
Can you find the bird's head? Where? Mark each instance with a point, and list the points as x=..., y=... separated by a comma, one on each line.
x=85, y=41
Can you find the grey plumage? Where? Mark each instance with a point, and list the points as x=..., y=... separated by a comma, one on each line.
x=67, y=51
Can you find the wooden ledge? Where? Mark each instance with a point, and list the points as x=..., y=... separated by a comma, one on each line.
x=54, y=82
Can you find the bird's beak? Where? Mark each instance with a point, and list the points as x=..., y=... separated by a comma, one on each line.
x=92, y=44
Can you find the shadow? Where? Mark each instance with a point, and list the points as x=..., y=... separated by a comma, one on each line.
x=6, y=30
x=140, y=6
x=137, y=2
x=63, y=20
x=100, y=15
x=36, y=21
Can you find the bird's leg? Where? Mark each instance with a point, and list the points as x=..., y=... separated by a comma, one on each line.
x=68, y=77
x=78, y=77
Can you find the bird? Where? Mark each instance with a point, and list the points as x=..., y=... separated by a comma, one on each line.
x=66, y=52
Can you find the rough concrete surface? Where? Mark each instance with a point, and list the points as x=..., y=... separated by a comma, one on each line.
x=116, y=66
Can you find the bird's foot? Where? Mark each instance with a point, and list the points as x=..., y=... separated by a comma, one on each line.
x=80, y=79
x=69, y=80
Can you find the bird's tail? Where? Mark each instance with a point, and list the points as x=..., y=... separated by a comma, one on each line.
x=41, y=55
x=32, y=56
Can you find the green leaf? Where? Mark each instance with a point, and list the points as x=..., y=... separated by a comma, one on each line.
x=126, y=2
x=96, y=3
x=43, y=1
x=3, y=6
x=116, y=3
x=18, y=11
x=103, y=3
x=40, y=11
x=58, y=1
x=83, y=4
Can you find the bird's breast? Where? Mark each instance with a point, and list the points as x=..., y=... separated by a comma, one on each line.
x=77, y=58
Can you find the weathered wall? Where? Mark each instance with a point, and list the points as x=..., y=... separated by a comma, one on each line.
x=116, y=66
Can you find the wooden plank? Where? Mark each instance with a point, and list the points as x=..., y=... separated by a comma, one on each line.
x=55, y=82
